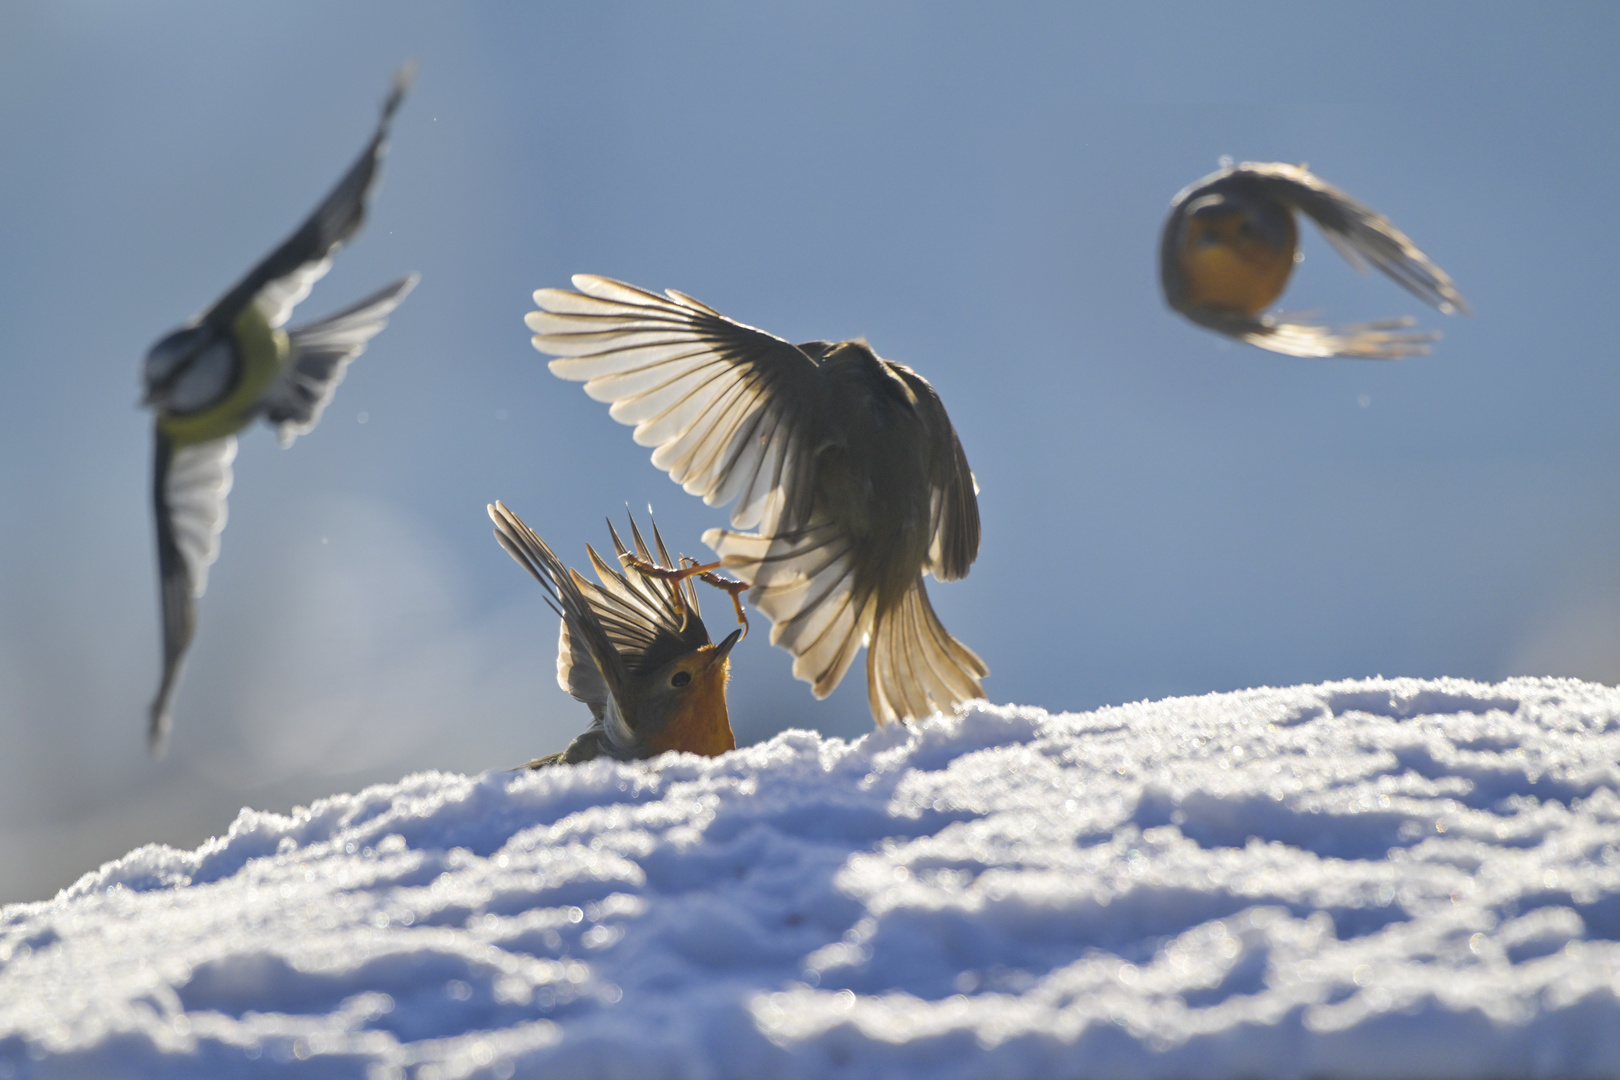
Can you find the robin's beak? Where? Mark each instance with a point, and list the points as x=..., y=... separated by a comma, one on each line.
x=720, y=650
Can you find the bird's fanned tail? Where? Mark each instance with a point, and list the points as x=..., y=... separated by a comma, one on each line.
x=914, y=667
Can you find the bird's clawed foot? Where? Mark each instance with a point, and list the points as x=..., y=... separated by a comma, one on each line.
x=689, y=568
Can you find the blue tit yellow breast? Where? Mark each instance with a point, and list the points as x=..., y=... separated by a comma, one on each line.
x=263, y=351
x=1228, y=265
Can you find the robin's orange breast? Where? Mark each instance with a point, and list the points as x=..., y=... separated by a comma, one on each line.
x=701, y=725
x=1227, y=266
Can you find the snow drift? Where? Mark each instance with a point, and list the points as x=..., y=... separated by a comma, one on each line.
x=1385, y=878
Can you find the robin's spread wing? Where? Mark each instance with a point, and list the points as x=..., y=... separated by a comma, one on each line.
x=953, y=493
x=189, y=486
x=1359, y=231
x=319, y=356
x=1386, y=339
x=805, y=582
x=285, y=276
x=583, y=645
x=730, y=410
x=649, y=621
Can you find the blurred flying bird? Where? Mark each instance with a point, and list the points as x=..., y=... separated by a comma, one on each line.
x=211, y=378
x=844, y=463
x=634, y=649
x=1230, y=243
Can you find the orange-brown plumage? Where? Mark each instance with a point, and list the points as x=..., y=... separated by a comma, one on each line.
x=1230, y=265
x=701, y=723
x=1229, y=246
x=846, y=466
x=633, y=648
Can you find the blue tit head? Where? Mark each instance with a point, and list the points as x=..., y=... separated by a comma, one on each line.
x=189, y=370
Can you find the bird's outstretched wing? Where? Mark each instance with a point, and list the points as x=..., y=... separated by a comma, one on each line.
x=320, y=354
x=588, y=667
x=285, y=276
x=1358, y=231
x=730, y=410
x=953, y=493
x=1385, y=339
x=189, y=486
x=649, y=621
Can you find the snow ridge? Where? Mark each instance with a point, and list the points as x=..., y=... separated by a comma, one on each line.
x=1382, y=878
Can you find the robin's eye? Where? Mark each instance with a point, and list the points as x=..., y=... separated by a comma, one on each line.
x=680, y=678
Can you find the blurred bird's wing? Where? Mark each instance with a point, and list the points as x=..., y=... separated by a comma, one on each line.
x=953, y=493
x=1358, y=230
x=284, y=278
x=583, y=645
x=1385, y=339
x=189, y=486
x=730, y=410
x=319, y=355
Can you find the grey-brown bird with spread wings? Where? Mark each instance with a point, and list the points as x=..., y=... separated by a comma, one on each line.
x=844, y=464
x=633, y=648
x=1230, y=243
x=235, y=362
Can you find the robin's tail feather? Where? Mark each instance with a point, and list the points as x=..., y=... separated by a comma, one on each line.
x=914, y=666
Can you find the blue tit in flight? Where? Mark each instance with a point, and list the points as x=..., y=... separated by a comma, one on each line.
x=845, y=465
x=1231, y=241
x=633, y=649
x=208, y=380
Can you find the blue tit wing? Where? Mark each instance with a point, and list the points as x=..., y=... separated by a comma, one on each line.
x=319, y=355
x=1359, y=232
x=286, y=275
x=731, y=411
x=584, y=645
x=953, y=493
x=189, y=486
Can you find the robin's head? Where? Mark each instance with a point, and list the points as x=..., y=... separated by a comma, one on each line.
x=1229, y=249
x=672, y=693
x=1241, y=218
x=681, y=705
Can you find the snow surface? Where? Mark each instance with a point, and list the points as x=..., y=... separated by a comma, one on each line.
x=1385, y=878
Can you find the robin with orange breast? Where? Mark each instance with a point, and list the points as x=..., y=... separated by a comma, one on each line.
x=634, y=649
x=845, y=464
x=1231, y=241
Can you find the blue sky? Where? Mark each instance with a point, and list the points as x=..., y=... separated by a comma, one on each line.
x=976, y=190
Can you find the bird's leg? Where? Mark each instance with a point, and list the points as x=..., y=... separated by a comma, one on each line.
x=689, y=568
x=730, y=586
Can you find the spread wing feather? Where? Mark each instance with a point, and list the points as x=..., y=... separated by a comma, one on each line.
x=804, y=583
x=285, y=276
x=953, y=493
x=588, y=667
x=1356, y=229
x=189, y=486
x=320, y=356
x=728, y=409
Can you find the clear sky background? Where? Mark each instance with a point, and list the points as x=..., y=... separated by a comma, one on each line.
x=978, y=190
